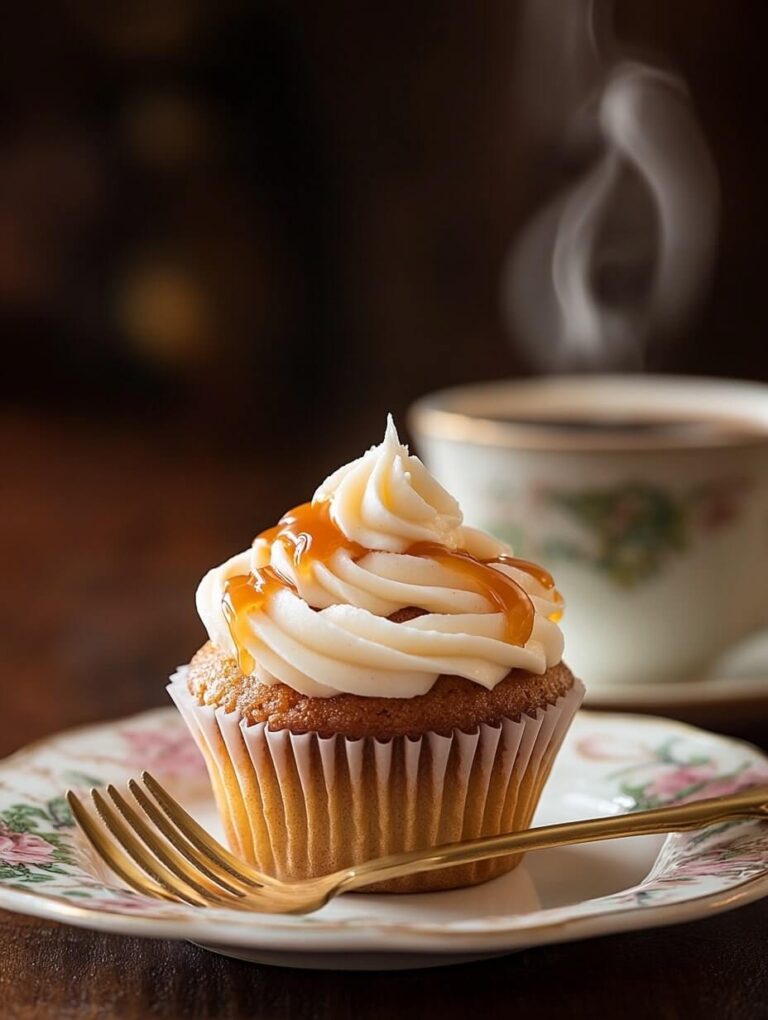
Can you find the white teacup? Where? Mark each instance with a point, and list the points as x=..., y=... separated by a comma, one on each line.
x=646, y=496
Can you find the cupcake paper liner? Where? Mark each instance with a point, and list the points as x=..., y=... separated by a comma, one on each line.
x=301, y=805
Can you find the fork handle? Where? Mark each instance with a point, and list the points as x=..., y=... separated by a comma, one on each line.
x=751, y=803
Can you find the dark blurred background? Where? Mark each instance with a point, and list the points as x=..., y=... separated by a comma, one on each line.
x=232, y=236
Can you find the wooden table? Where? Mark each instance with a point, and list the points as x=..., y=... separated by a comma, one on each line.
x=103, y=536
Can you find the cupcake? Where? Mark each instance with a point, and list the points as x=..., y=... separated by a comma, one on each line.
x=379, y=677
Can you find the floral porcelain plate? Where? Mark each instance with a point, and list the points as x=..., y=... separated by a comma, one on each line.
x=609, y=764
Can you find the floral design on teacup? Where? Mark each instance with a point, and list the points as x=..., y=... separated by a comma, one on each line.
x=629, y=531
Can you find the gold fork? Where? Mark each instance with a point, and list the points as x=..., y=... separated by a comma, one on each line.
x=159, y=850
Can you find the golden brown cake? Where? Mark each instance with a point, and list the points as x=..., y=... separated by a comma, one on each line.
x=340, y=722
x=453, y=703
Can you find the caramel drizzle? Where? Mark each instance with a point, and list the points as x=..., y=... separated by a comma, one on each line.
x=309, y=536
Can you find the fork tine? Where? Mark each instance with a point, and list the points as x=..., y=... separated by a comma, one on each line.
x=202, y=841
x=187, y=871
x=115, y=860
x=179, y=888
x=196, y=857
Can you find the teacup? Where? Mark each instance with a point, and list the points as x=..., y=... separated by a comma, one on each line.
x=646, y=496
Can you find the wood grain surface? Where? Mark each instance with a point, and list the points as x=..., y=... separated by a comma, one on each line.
x=103, y=536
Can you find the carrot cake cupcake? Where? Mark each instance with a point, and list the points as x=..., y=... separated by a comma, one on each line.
x=379, y=677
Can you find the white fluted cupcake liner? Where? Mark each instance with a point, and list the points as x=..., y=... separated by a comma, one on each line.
x=300, y=805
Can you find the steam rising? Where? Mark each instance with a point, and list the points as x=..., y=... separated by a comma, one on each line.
x=621, y=256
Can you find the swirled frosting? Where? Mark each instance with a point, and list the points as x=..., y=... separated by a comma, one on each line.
x=315, y=615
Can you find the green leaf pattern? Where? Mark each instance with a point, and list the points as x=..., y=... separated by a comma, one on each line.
x=32, y=846
x=627, y=532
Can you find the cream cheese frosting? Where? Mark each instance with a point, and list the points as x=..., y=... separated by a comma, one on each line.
x=324, y=630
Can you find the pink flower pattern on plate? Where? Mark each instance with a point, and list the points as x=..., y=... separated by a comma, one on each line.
x=721, y=786
x=170, y=754
x=669, y=785
x=24, y=848
x=689, y=783
x=602, y=747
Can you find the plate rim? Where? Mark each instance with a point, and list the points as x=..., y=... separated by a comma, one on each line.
x=378, y=938
x=387, y=939
x=708, y=692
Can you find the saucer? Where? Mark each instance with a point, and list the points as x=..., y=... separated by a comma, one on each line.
x=733, y=693
x=608, y=764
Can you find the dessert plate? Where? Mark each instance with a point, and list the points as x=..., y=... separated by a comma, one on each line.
x=609, y=764
x=734, y=692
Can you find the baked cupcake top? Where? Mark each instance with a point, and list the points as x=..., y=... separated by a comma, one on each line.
x=308, y=603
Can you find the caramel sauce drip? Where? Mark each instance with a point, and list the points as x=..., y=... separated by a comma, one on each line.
x=308, y=533
x=543, y=576
x=539, y=573
x=504, y=593
x=557, y=615
x=310, y=536
x=243, y=594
